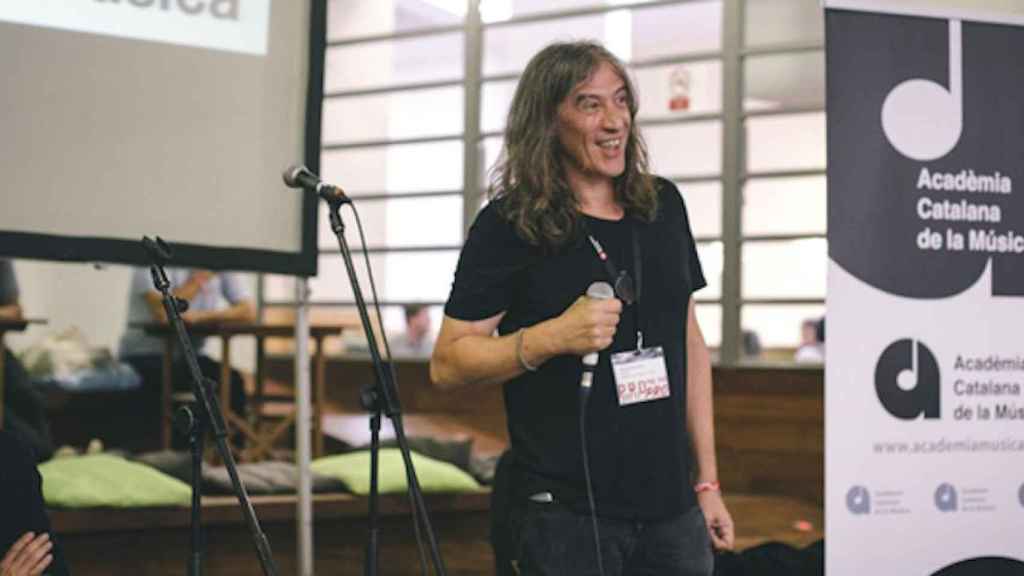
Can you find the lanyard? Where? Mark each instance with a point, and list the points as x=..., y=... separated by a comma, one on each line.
x=621, y=280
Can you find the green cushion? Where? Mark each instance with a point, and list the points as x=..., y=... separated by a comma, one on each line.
x=353, y=469
x=105, y=480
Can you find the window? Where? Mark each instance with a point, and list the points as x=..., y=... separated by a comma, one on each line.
x=404, y=123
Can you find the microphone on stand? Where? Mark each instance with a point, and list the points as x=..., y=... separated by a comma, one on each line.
x=598, y=291
x=298, y=176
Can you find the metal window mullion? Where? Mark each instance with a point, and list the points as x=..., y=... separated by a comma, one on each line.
x=645, y=122
x=707, y=301
x=577, y=12
x=689, y=119
x=381, y=196
x=784, y=237
x=403, y=35
x=471, y=157
x=694, y=178
x=356, y=249
x=388, y=142
x=690, y=58
x=783, y=301
x=732, y=167
x=802, y=173
x=389, y=88
x=336, y=303
x=786, y=111
x=783, y=48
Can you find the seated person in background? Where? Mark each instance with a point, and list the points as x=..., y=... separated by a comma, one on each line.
x=25, y=543
x=416, y=341
x=751, y=345
x=812, y=342
x=203, y=290
x=23, y=408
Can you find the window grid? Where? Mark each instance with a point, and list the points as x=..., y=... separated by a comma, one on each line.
x=732, y=176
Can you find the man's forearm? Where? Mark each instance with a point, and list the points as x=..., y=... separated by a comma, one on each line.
x=243, y=311
x=490, y=359
x=700, y=410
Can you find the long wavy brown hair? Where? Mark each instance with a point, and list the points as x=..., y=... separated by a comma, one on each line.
x=529, y=175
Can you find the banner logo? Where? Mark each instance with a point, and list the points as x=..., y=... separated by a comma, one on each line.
x=921, y=118
x=945, y=498
x=907, y=380
x=858, y=501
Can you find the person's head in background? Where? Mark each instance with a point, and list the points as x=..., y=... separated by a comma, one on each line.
x=571, y=122
x=808, y=332
x=417, y=322
x=751, y=344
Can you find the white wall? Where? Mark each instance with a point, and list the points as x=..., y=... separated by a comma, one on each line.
x=88, y=296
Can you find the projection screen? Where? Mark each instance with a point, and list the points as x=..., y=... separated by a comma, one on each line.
x=124, y=118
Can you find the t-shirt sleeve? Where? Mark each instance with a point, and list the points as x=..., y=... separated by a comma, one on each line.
x=142, y=283
x=234, y=287
x=489, y=270
x=670, y=196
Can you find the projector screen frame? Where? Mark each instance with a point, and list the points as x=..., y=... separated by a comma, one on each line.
x=45, y=246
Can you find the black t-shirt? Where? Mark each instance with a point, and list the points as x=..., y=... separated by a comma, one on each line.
x=639, y=454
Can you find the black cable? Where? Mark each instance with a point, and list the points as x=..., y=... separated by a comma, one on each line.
x=394, y=380
x=584, y=396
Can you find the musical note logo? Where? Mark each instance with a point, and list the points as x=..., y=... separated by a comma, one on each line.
x=921, y=118
x=907, y=380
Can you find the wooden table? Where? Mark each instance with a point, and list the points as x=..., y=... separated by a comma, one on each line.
x=9, y=325
x=260, y=444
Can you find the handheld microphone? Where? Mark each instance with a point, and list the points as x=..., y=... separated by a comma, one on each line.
x=599, y=291
x=298, y=176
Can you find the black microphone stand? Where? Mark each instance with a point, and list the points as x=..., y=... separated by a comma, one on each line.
x=209, y=415
x=188, y=421
x=382, y=399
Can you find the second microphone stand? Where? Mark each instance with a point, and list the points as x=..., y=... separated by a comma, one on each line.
x=382, y=399
x=209, y=415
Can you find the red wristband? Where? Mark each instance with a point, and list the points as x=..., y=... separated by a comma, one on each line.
x=707, y=487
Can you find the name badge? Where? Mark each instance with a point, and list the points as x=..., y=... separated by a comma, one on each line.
x=640, y=375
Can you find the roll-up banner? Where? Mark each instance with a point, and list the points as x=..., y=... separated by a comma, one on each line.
x=925, y=349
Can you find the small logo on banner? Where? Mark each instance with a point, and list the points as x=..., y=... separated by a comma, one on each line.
x=907, y=380
x=858, y=501
x=945, y=498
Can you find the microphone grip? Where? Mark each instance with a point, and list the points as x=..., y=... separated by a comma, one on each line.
x=600, y=291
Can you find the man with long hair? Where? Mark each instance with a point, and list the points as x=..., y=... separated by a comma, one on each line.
x=572, y=203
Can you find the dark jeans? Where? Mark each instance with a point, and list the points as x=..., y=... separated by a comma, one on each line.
x=554, y=540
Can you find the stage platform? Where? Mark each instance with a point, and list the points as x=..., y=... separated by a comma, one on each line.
x=155, y=541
